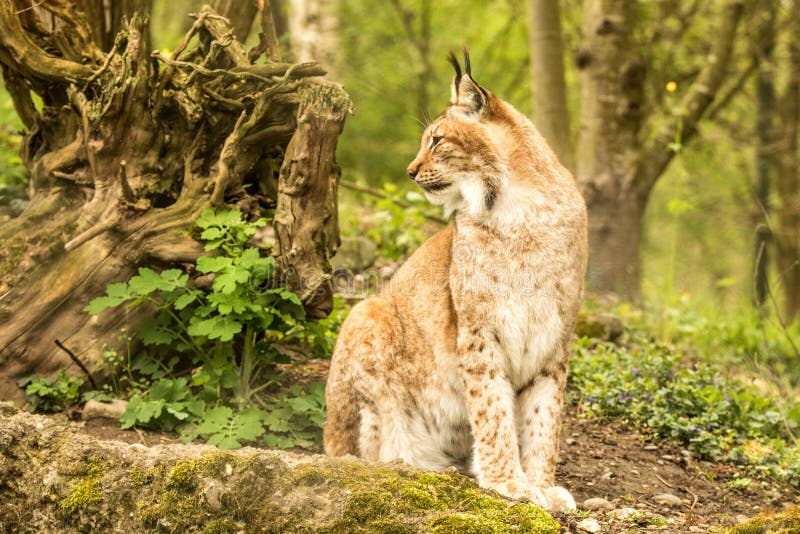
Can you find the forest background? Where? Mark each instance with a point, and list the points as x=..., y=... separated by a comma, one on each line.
x=705, y=213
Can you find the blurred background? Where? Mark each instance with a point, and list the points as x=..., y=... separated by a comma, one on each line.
x=678, y=117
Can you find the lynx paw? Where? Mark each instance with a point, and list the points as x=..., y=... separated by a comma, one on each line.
x=519, y=490
x=558, y=499
x=553, y=499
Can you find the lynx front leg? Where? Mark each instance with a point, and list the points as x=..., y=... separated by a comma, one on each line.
x=539, y=424
x=491, y=407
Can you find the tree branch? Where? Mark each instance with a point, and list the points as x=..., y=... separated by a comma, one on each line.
x=19, y=52
x=695, y=103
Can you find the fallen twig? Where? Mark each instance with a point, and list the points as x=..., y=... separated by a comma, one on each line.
x=78, y=363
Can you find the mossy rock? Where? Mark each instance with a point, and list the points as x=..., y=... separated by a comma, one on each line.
x=56, y=479
x=786, y=522
x=599, y=326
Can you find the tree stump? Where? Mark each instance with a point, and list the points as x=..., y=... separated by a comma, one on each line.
x=127, y=147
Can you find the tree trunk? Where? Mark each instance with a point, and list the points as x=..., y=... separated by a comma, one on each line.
x=612, y=99
x=788, y=233
x=126, y=152
x=314, y=31
x=107, y=18
x=765, y=150
x=56, y=479
x=241, y=13
x=547, y=72
x=616, y=168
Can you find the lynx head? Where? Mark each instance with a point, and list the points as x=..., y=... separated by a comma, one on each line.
x=460, y=163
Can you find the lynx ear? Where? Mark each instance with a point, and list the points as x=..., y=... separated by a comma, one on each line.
x=465, y=92
x=456, y=79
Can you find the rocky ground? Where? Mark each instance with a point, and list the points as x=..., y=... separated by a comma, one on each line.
x=623, y=481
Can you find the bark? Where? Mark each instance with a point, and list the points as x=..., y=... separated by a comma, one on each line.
x=612, y=102
x=107, y=18
x=765, y=152
x=240, y=13
x=547, y=72
x=56, y=479
x=314, y=31
x=788, y=232
x=616, y=168
x=129, y=148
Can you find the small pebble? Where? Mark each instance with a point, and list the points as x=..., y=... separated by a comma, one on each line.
x=668, y=498
x=624, y=513
x=608, y=475
x=695, y=528
x=651, y=447
x=596, y=503
x=108, y=410
x=589, y=525
x=741, y=518
x=570, y=441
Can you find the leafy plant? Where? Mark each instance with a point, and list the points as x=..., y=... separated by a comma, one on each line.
x=46, y=394
x=209, y=354
x=650, y=384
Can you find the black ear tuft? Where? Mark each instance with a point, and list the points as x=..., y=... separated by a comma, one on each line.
x=467, y=66
x=454, y=62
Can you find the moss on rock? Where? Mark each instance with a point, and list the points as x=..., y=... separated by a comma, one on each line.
x=191, y=488
x=786, y=522
x=85, y=491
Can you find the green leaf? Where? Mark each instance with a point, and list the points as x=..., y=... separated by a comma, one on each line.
x=213, y=244
x=217, y=327
x=116, y=294
x=213, y=264
x=224, y=442
x=215, y=420
x=223, y=218
x=229, y=302
x=278, y=420
x=154, y=332
x=169, y=389
x=212, y=233
x=228, y=281
x=185, y=299
x=148, y=281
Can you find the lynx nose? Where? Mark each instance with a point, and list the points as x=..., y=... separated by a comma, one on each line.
x=413, y=170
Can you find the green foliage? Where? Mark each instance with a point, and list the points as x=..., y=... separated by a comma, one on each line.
x=209, y=355
x=46, y=394
x=13, y=176
x=396, y=229
x=745, y=339
x=715, y=416
x=396, y=91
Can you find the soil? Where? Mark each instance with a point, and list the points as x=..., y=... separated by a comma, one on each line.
x=605, y=459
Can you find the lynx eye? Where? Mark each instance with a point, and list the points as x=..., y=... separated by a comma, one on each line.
x=435, y=140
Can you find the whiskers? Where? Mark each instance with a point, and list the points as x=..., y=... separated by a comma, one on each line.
x=425, y=118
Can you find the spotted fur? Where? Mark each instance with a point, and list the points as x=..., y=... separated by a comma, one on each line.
x=462, y=359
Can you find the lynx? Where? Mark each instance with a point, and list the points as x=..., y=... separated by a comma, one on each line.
x=462, y=359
